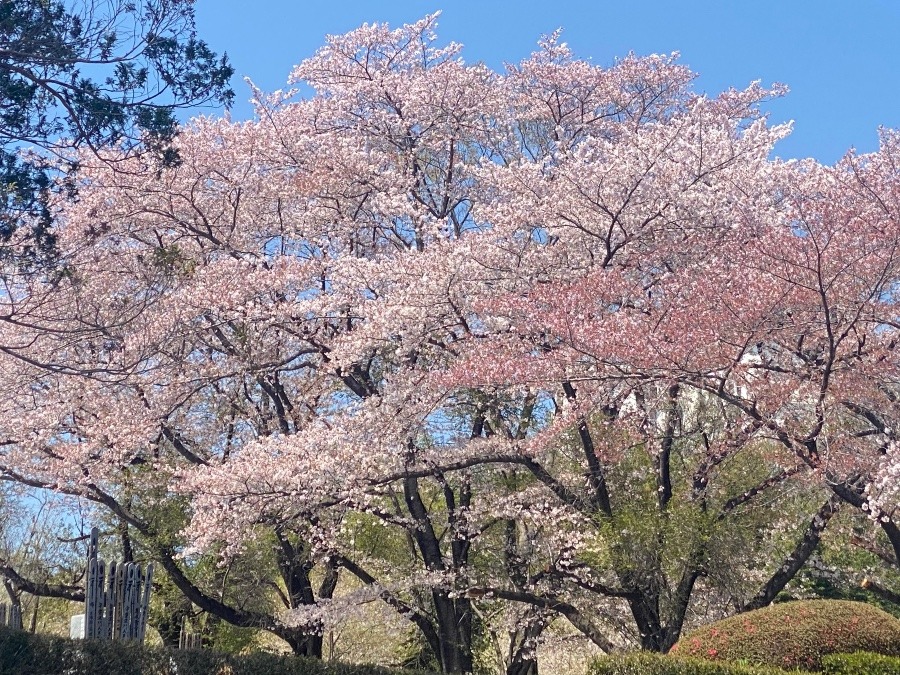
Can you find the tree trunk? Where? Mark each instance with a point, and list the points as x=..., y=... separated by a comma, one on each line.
x=645, y=610
x=454, y=624
x=304, y=644
x=523, y=659
x=523, y=665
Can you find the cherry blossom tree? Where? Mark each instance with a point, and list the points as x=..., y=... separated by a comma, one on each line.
x=778, y=308
x=562, y=341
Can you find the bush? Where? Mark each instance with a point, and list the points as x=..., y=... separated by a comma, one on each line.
x=860, y=662
x=23, y=653
x=796, y=634
x=26, y=654
x=658, y=664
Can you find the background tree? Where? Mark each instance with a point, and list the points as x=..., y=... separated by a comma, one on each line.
x=41, y=558
x=94, y=73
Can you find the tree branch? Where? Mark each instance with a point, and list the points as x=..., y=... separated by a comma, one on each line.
x=575, y=616
x=797, y=558
x=41, y=589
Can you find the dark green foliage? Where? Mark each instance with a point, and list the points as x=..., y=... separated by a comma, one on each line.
x=658, y=664
x=795, y=634
x=23, y=653
x=93, y=72
x=860, y=663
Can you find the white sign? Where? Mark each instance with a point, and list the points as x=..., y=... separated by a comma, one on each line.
x=76, y=627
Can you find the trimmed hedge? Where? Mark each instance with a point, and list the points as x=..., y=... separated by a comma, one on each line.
x=795, y=634
x=859, y=663
x=645, y=663
x=23, y=653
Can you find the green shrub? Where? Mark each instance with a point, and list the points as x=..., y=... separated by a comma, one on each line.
x=26, y=654
x=860, y=663
x=658, y=664
x=795, y=634
x=22, y=653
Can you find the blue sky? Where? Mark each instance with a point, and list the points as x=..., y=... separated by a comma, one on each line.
x=841, y=58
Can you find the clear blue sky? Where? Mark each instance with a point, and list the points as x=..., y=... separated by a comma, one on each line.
x=841, y=58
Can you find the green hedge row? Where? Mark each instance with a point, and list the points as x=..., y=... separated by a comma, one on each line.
x=23, y=653
x=643, y=663
x=795, y=634
x=860, y=663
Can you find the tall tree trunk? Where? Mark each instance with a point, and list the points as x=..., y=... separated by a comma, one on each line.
x=454, y=624
x=645, y=610
x=453, y=616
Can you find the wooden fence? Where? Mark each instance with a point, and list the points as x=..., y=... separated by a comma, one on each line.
x=117, y=597
x=11, y=615
x=187, y=639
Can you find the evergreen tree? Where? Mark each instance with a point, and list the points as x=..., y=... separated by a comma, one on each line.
x=93, y=72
